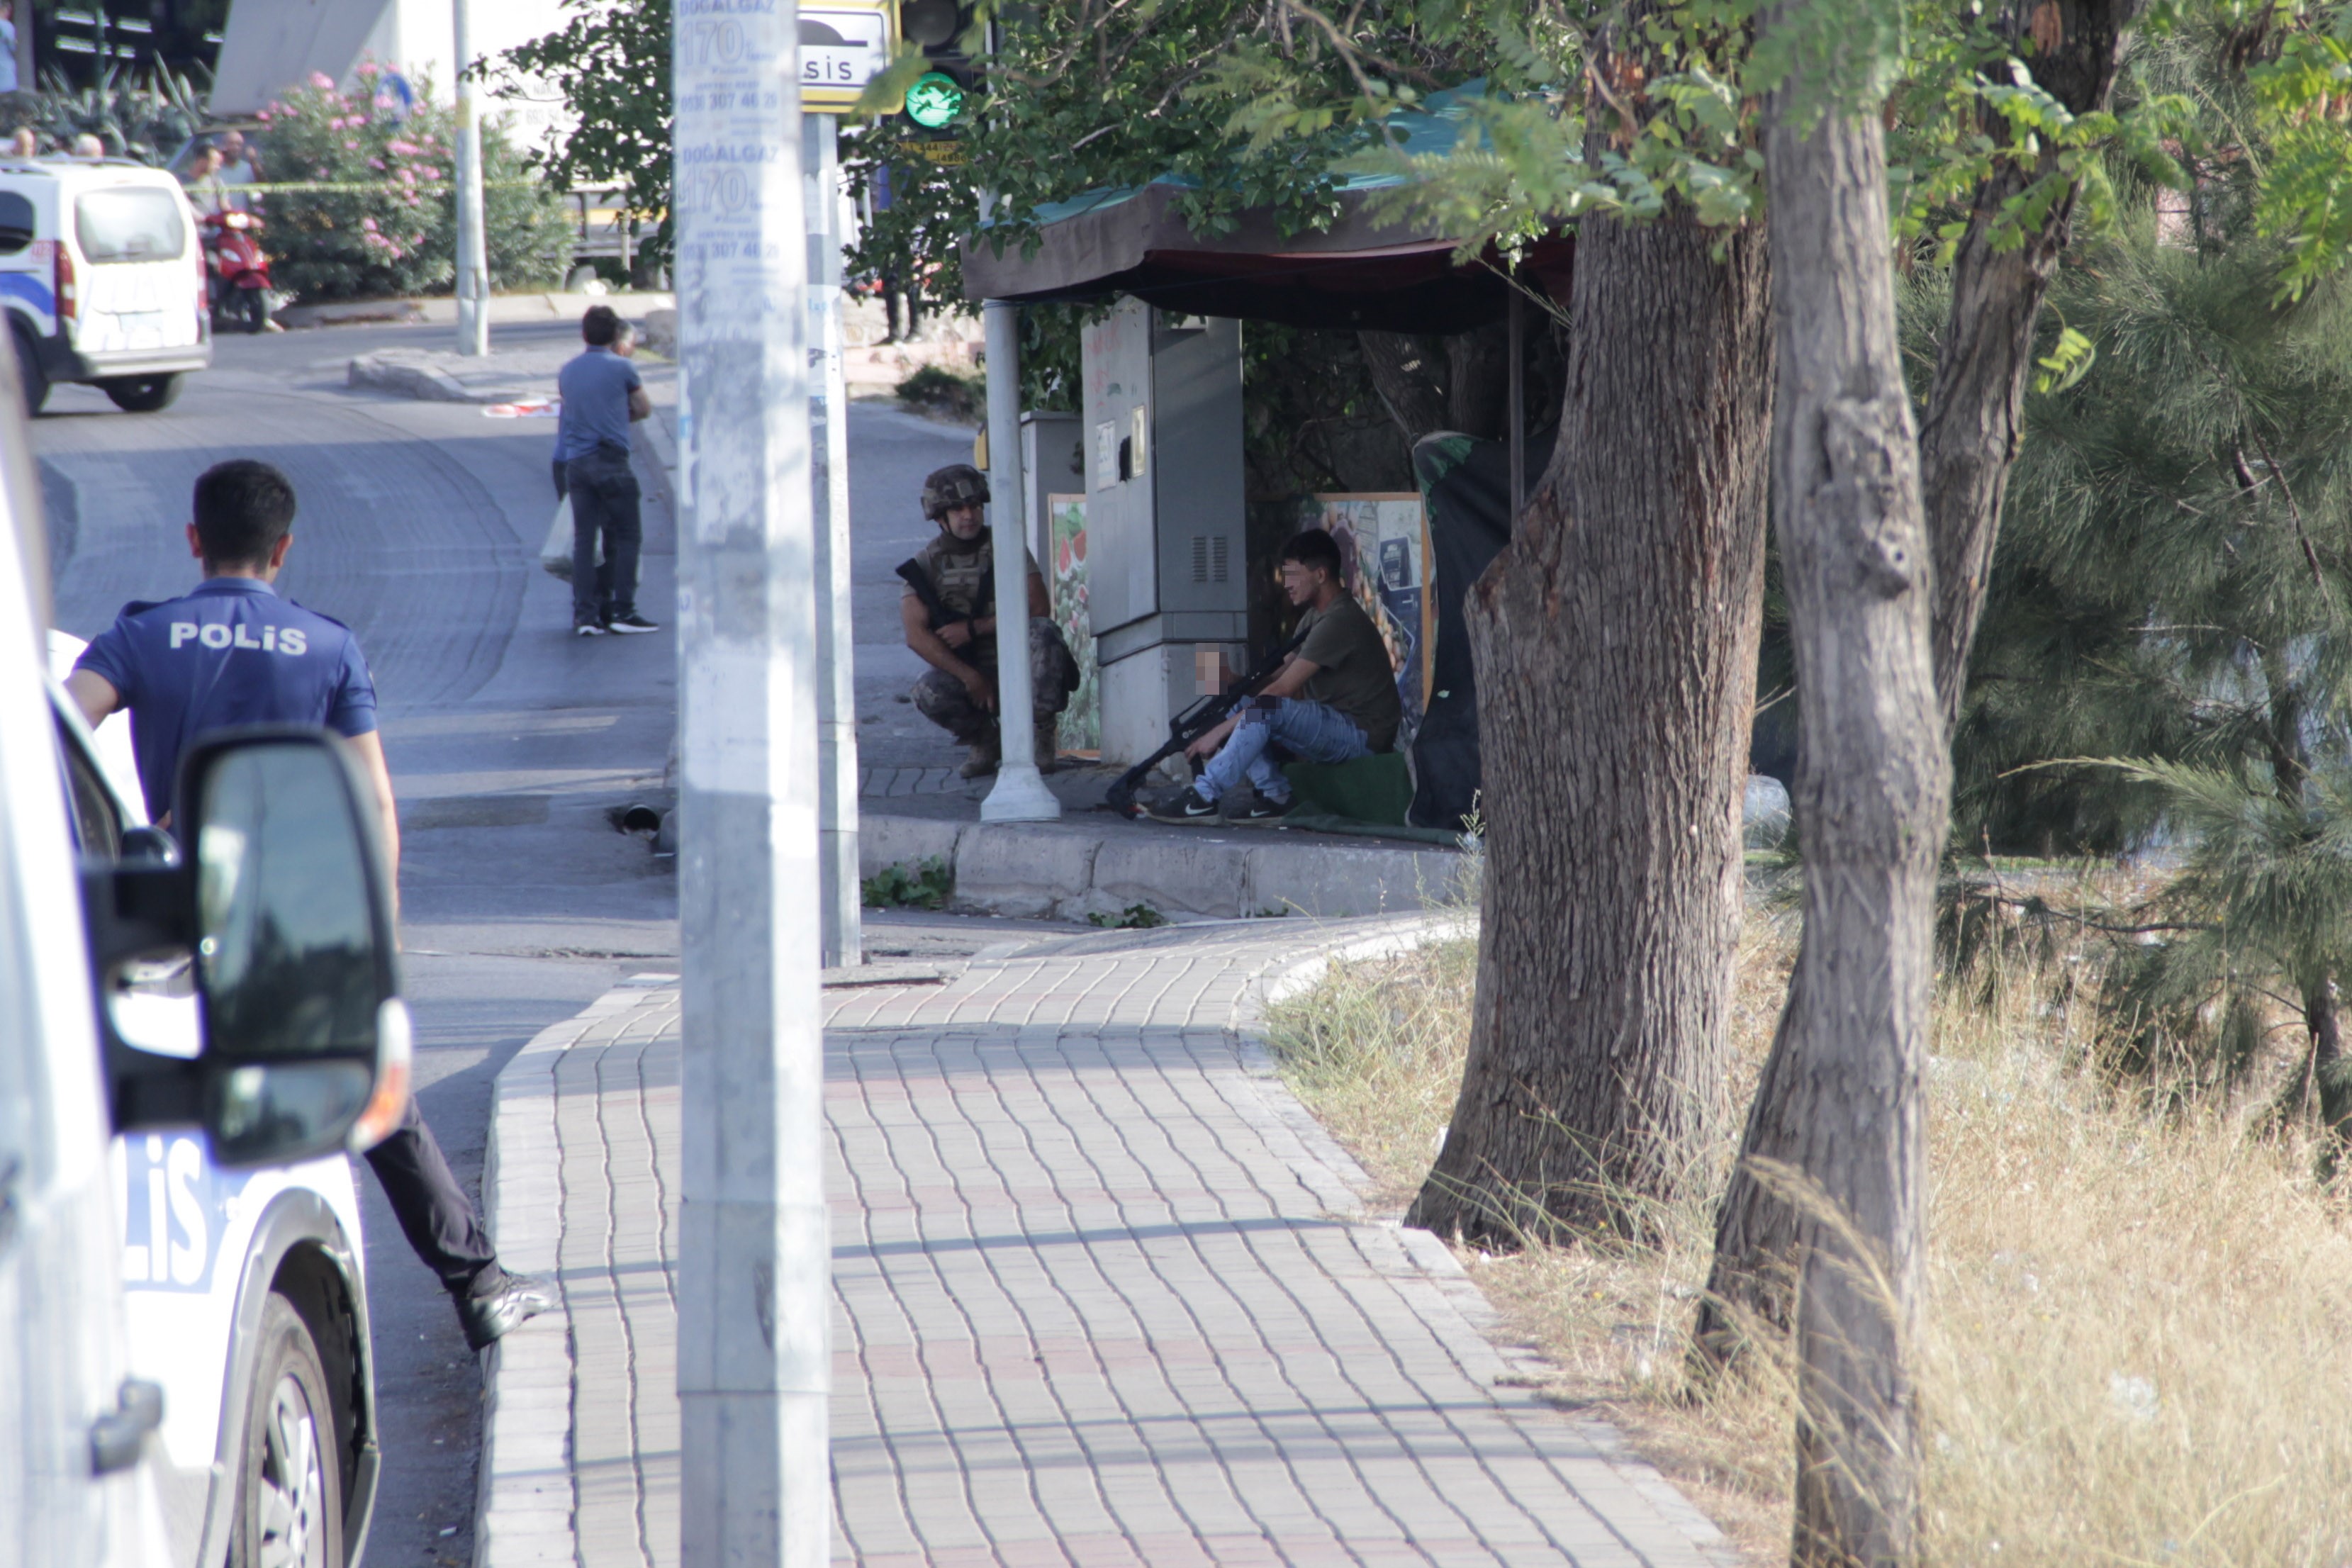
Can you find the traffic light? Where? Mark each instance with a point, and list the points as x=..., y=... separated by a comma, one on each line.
x=939, y=100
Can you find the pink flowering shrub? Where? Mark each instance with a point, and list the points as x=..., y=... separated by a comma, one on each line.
x=388, y=228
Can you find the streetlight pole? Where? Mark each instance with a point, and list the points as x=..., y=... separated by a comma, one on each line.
x=473, y=283
x=754, y=1354
x=836, y=701
x=1020, y=795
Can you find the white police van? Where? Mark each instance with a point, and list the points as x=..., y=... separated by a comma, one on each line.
x=179, y=1239
x=102, y=270
x=204, y=1249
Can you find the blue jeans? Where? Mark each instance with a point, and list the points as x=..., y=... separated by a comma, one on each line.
x=1307, y=729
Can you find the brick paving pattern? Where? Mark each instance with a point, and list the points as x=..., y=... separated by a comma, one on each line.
x=1105, y=1296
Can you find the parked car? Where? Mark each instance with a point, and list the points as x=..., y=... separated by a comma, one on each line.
x=103, y=272
x=204, y=1248
x=203, y=1166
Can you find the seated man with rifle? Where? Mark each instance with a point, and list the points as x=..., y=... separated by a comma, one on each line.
x=949, y=611
x=1333, y=701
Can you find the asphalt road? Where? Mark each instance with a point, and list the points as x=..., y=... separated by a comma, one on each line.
x=511, y=744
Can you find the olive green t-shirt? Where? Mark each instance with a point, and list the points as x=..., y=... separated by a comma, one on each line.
x=1351, y=670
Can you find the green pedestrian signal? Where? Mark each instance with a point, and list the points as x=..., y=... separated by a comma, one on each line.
x=934, y=101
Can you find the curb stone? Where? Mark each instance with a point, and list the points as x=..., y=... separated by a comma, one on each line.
x=1076, y=868
x=525, y=1497
x=401, y=372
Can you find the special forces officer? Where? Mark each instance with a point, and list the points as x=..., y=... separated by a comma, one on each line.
x=232, y=652
x=949, y=613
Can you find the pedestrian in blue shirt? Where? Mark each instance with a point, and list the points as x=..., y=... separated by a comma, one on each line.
x=232, y=652
x=602, y=398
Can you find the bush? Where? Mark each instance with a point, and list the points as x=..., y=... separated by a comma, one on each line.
x=924, y=885
x=396, y=234
x=957, y=396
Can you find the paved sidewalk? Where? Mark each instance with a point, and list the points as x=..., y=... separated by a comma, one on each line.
x=1105, y=1294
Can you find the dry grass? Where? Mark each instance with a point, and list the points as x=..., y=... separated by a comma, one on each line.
x=2138, y=1340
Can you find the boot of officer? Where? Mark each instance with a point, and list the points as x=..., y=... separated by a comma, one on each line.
x=949, y=612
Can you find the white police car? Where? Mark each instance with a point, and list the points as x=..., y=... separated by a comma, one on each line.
x=103, y=271
x=211, y=1173
x=268, y=1427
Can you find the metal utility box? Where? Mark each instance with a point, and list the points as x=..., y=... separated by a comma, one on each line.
x=1166, y=536
x=1053, y=463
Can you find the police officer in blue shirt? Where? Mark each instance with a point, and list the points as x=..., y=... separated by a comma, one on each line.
x=232, y=652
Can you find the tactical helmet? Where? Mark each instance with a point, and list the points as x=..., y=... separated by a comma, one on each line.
x=958, y=484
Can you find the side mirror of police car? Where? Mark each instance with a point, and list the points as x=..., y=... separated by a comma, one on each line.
x=286, y=904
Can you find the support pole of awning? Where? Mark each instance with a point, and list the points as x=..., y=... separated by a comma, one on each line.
x=1518, y=415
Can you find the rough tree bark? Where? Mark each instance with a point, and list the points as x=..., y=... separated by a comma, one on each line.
x=1460, y=382
x=1967, y=441
x=1615, y=641
x=1870, y=803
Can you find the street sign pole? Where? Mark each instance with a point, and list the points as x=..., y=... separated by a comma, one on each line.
x=836, y=671
x=473, y=281
x=754, y=1356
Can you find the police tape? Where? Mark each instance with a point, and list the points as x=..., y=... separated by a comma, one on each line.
x=347, y=188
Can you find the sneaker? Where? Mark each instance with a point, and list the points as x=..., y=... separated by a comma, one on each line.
x=587, y=628
x=486, y=1320
x=1189, y=806
x=1261, y=809
x=631, y=624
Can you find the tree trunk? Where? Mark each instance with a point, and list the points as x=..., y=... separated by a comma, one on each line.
x=1967, y=442
x=1479, y=382
x=2329, y=1073
x=1615, y=647
x=1870, y=802
x=1404, y=369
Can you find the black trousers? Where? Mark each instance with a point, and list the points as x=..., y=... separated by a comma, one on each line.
x=440, y=1222
x=604, y=497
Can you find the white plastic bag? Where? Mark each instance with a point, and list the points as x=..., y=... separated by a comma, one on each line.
x=555, y=555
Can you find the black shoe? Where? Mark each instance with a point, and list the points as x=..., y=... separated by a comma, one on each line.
x=487, y=1319
x=587, y=628
x=630, y=624
x=1261, y=809
x=1187, y=807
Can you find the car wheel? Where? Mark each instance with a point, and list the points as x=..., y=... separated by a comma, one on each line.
x=29, y=374
x=142, y=393
x=290, y=1495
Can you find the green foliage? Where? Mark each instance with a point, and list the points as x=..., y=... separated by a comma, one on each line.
x=1135, y=916
x=397, y=233
x=927, y=884
x=145, y=117
x=933, y=386
x=611, y=63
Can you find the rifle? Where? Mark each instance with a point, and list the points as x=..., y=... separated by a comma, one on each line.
x=1204, y=715
x=911, y=570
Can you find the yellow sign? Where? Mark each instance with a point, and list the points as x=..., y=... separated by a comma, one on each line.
x=947, y=154
x=844, y=44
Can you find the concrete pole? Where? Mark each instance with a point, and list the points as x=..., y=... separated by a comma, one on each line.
x=754, y=1352
x=473, y=283
x=27, y=76
x=836, y=697
x=1020, y=795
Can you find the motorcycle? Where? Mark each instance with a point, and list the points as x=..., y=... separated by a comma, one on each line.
x=236, y=272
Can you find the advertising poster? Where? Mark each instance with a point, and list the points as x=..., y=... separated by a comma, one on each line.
x=1081, y=730
x=1384, y=548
